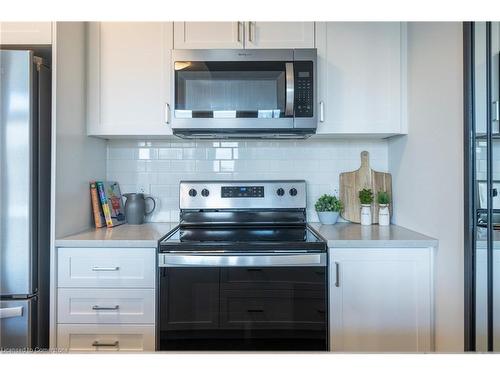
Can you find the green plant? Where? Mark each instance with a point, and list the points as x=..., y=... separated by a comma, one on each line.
x=383, y=197
x=366, y=196
x=328, y=203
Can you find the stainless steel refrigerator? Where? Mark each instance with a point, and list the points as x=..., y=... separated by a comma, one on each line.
x=25, y=87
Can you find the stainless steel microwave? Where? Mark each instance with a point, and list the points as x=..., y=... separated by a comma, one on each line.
x=244, y=93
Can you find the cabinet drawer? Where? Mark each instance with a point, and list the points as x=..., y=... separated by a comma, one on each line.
x=105, y=338
x=105, y=306
x=106, y=267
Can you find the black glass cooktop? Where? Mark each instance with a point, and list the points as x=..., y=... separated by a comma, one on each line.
x=242, y=238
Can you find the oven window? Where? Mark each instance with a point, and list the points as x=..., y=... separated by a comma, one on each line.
x=255, y=89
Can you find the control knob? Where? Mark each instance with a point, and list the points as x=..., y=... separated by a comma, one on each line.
x=293, y=192
x=192, y=192
x=205, y=192
x=280, y=192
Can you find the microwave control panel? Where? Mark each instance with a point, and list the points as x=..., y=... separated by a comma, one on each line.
x=304, y=89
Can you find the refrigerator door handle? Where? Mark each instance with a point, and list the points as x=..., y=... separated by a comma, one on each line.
x=11, y=312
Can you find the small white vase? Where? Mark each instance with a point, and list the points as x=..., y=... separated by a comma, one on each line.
x=383, y=215
x=366, y=214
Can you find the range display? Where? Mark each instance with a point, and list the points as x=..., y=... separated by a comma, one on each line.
x=242, y=191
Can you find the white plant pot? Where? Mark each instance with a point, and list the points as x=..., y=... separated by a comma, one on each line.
x=329, y=217
x=384, y=217
x=366, y=214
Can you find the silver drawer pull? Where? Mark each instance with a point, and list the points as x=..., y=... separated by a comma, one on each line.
x=97, y=307
x=97, y=343
x=105, y=268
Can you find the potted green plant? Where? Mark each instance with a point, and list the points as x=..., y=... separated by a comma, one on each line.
x=383, y=200
x=366, y=200
x=328, y=208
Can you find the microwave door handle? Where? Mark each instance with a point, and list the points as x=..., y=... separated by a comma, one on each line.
x=290, y=89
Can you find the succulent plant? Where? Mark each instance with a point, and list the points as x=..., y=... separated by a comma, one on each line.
x=328, y=203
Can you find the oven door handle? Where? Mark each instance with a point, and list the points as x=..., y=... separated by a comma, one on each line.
x=242, y=260
x=290, y=89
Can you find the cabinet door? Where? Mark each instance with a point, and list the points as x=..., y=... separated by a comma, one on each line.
x=279, y=35
x=360, y=69
x=381, y=300
x=25, y=32
x=189, y=299
x=129, y=78
x=205, y=35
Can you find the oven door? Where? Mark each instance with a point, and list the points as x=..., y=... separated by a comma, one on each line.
x=243, y=302
x=233, y=89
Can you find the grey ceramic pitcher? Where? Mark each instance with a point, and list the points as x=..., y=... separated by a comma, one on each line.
x=135, y=207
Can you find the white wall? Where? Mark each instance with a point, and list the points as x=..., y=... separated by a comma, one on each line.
x=156, y=167
x=427, y=165
x=78, y=158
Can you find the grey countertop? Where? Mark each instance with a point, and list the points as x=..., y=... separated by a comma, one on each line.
x=338, y=235
x=126, y=235
x=356, y=235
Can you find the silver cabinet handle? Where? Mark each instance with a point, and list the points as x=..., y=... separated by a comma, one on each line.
x=290, y=89
x=239, y=31
x=11, y=312
x=97, y=343
x=321, y=111
x=337, y=274
x=105, y=268
x=496, y=111
x=250, y=32
x=167, y=113
x=97, y=307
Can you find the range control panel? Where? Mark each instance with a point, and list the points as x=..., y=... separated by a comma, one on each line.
x=242, y=191
x=213, y=195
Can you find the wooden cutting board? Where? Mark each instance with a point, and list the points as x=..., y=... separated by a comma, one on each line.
x=363, y=178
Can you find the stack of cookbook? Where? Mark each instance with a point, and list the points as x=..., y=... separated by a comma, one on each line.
x=107, y=205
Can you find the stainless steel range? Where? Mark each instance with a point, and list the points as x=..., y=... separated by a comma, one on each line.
x=242, y=271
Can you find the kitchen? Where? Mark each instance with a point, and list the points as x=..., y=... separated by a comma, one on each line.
x=233, y=224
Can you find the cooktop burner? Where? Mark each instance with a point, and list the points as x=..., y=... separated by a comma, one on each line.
x=242, y=238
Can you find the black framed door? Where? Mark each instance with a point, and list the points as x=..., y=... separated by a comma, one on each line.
x=482, y=186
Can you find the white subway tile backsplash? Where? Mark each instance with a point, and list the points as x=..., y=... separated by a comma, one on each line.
x=219, y=153
x=157, y=167
x=170, y=153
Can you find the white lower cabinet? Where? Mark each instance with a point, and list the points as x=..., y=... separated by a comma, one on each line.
x=381, y=300
x=105, y=306
x=105, y=338
x=105, y=299
x=106, y=268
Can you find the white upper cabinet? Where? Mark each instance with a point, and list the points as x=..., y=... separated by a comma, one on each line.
x=25, y=33
x=128, y=80
x=205, y=35
x=361, y=77
x=279, y=35
x=381, y=300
